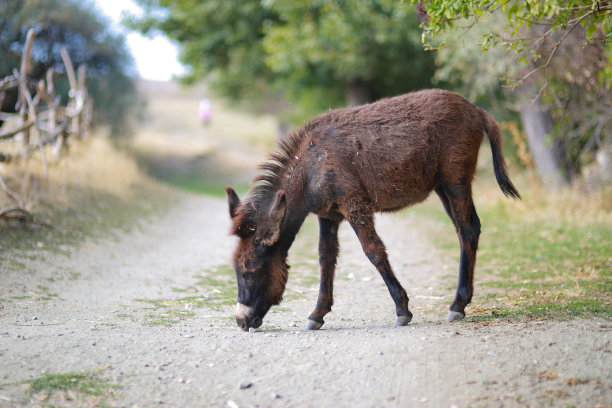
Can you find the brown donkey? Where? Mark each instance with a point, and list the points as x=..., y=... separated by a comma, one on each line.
x=348, y=164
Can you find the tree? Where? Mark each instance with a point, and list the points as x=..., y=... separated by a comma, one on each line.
x=88, y=39
x=564, y=101
x=318, y=54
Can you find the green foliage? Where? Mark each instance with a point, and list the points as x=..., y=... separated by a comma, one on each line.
x=463, y=66
x=308, y=52
x=88, y=39
x=324, y=47
x=446, y=15
x=522, y=26
x=533, y=43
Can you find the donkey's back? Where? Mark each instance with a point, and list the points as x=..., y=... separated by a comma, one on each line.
x=393, y=153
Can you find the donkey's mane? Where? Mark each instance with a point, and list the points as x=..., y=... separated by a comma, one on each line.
x=267, y=181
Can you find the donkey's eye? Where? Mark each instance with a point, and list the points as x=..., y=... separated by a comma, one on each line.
x=249, y=276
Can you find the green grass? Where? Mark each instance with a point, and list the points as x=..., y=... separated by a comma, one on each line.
x=167, y=318
x=82, y=385
x=303, y=260
x=547, y=267
x=214, y=289
x=166, y=312
x=533, y=260
x=545, y=249
x=195, y=183
x=200, y=175
x=20, y=297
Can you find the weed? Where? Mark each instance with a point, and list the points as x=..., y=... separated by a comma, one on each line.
x=20, y=297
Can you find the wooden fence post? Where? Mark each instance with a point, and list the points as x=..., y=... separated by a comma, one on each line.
x=53, y=102
x=81, y=97
x=72, y=93
x=24, y=71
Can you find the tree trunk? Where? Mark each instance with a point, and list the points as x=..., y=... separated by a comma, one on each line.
x=538, y=125
x=356, y=92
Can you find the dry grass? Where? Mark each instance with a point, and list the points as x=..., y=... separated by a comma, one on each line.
x=573, y=204
x=91, y=164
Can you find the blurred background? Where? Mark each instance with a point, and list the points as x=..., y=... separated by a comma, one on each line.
x=198, y=92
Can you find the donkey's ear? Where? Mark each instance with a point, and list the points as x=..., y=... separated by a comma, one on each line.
x=233, y=200
x=271, y=234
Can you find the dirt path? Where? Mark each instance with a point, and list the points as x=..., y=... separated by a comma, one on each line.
x=178, y=345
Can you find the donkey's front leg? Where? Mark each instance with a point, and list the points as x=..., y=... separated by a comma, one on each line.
x=375, y=251
x=328, y=253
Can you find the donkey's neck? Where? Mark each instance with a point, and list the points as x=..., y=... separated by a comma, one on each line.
x=292, y=223
x=283, y=171
x=293, y=184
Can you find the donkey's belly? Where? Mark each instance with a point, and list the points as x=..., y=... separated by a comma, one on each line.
x=397, y=195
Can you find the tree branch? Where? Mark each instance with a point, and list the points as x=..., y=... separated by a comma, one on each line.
x=553, y=51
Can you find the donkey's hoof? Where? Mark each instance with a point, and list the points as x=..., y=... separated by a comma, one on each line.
x=403, y=320
x=312, y=325
x=454, y=316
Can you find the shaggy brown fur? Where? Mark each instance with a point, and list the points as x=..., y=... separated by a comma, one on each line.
x=348, y=164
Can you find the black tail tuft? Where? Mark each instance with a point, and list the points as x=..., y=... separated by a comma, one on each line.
x=499, y=163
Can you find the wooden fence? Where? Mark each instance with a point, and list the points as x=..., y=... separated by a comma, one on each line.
x=39, y=120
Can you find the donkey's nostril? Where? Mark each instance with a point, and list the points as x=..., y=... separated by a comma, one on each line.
x=242, y=323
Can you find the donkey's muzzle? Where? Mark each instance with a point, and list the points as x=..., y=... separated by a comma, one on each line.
x=245, y=318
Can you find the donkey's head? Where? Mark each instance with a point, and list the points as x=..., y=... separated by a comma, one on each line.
x=261, y=270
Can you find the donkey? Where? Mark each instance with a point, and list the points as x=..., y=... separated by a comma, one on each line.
x=348, y=164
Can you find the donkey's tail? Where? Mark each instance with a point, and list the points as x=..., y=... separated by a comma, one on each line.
x=499, y=163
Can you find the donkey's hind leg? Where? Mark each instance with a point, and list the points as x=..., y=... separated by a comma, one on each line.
x=375, y=251
x=328, y=253
x=460, y=208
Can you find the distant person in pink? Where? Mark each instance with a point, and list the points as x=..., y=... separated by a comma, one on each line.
x=204, y=111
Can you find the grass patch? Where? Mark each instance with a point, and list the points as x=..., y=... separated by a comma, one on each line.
x=544, y=268
x=20, y=297
x=218, y=285
x=214, y=289
x=167, y=318
x=54, y=389
x=548, y=256
x=167, y=311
